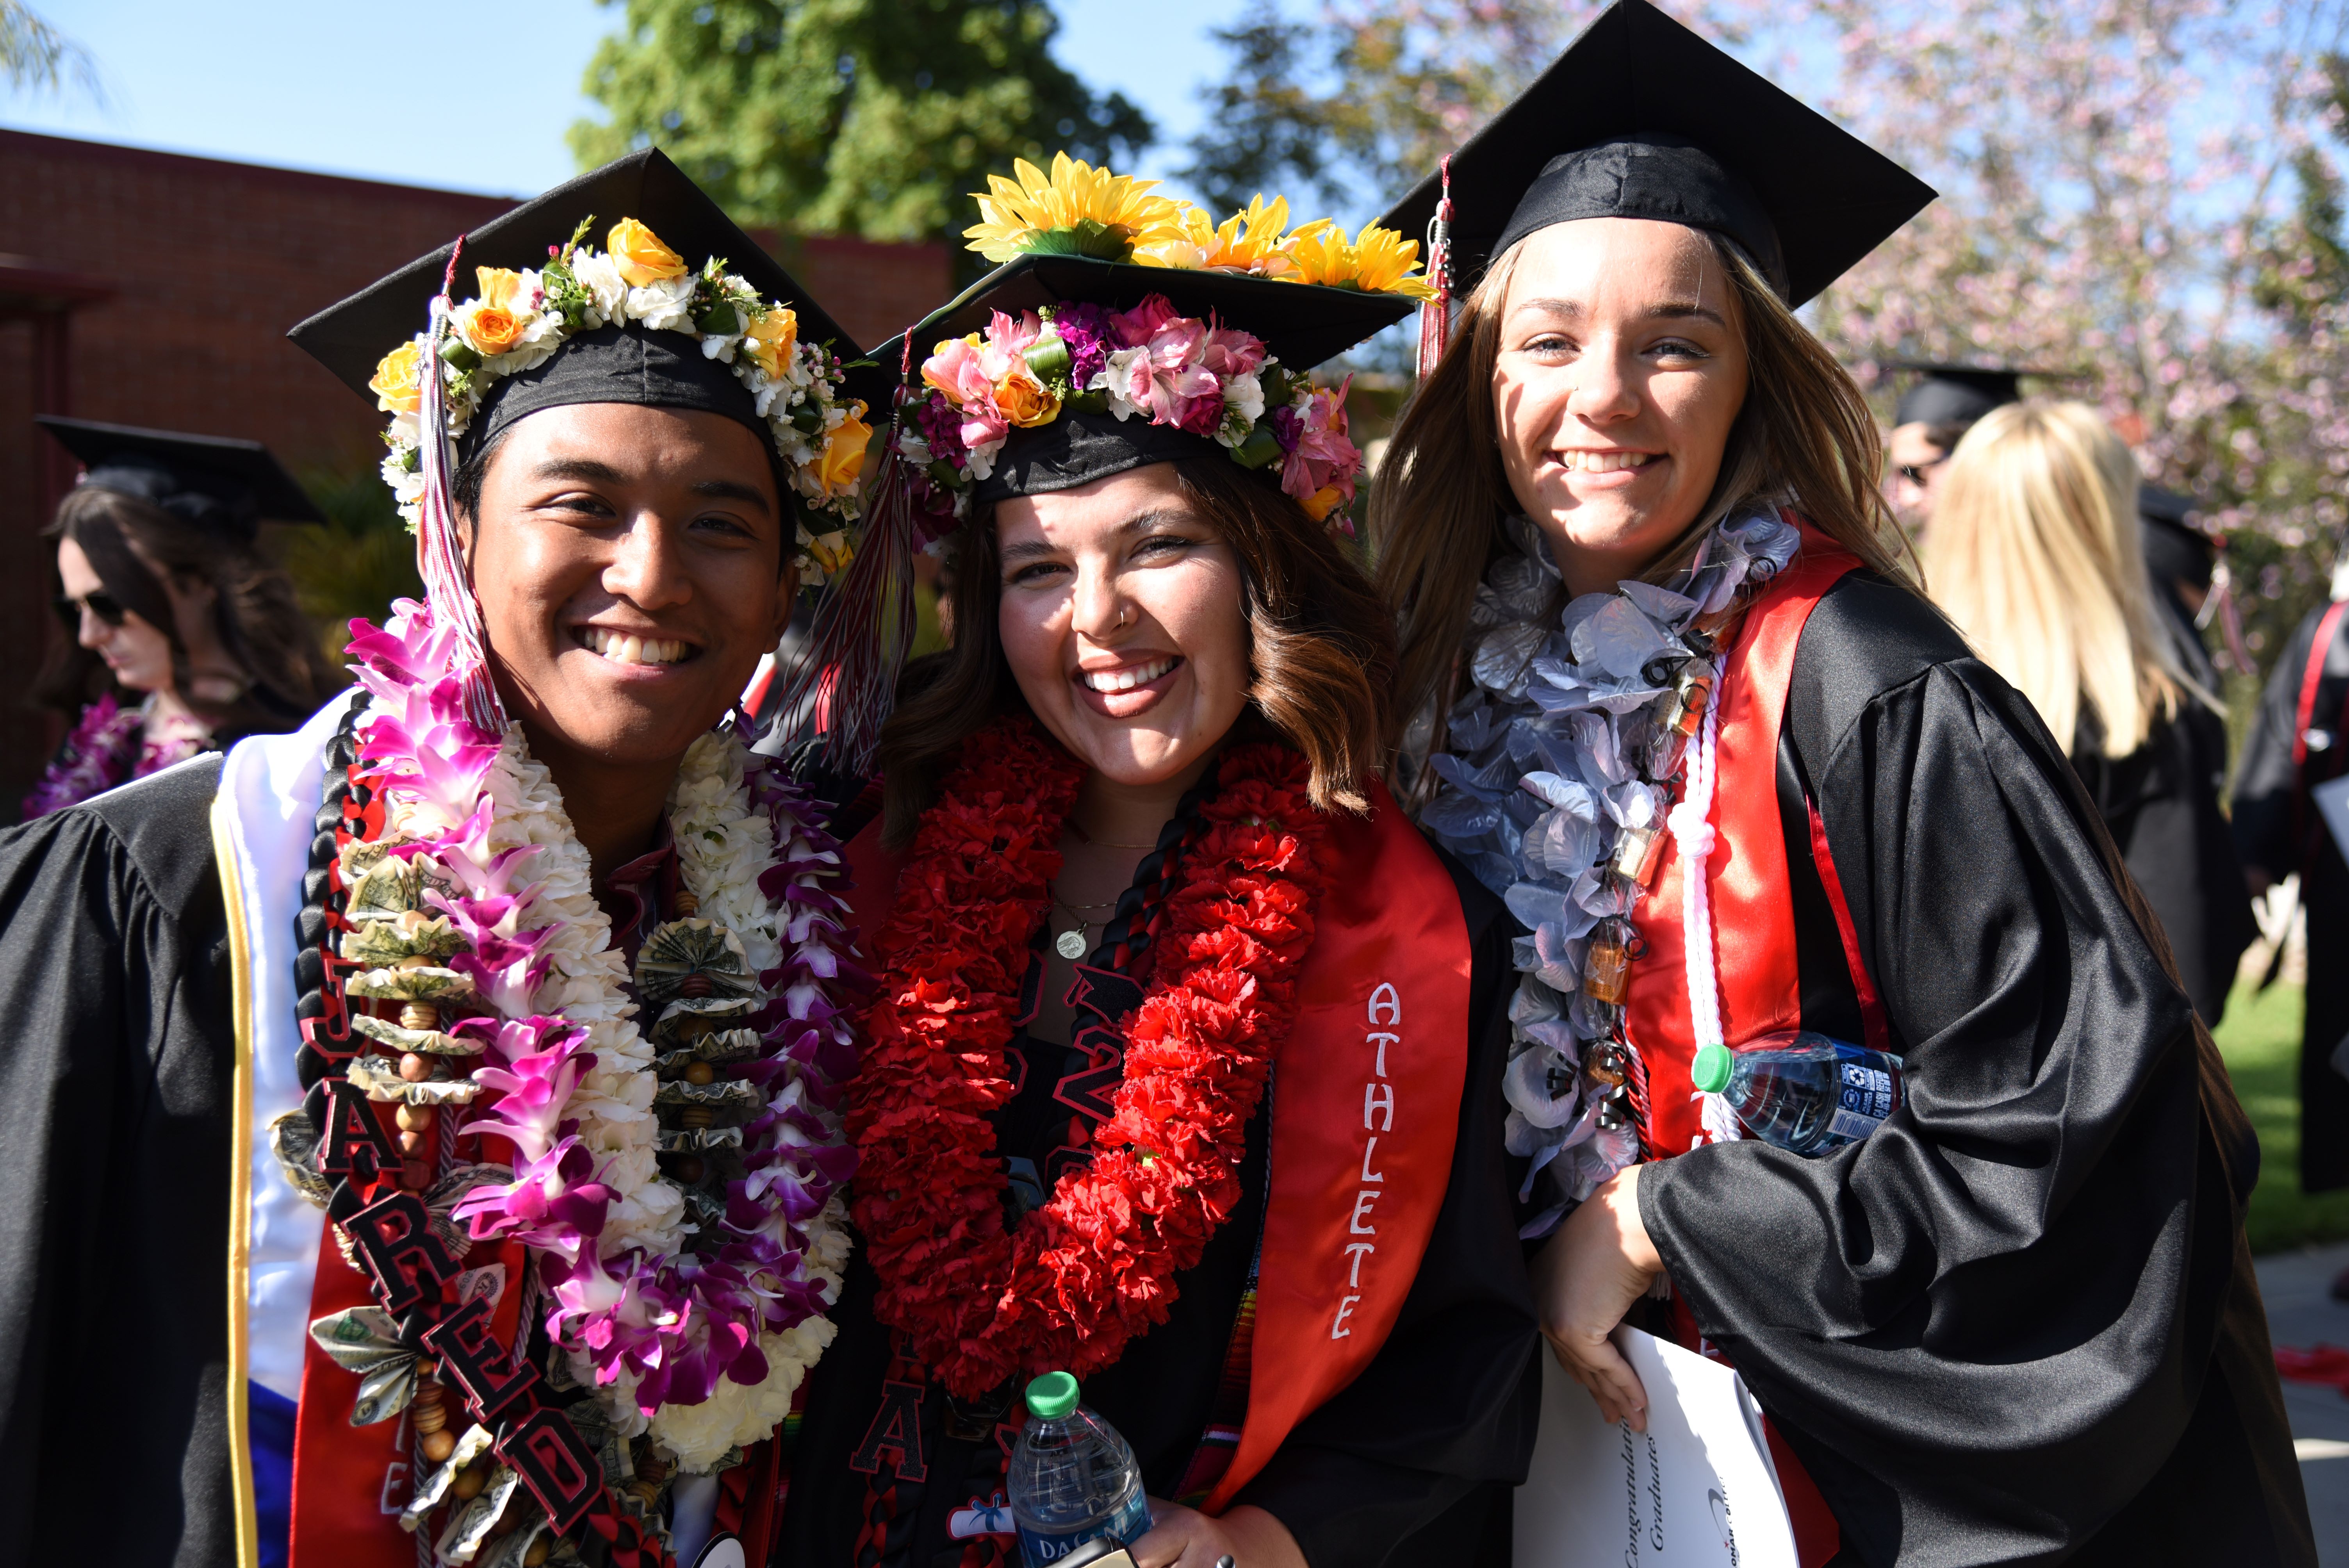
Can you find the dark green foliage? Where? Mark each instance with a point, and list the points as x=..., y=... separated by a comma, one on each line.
x=873, y=118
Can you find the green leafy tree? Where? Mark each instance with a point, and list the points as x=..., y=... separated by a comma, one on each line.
x=361, y=560
x=874, y=118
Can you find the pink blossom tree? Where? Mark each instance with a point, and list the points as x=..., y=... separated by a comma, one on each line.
x=2136, y=194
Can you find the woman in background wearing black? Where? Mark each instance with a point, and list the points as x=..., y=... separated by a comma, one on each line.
x=166, y=590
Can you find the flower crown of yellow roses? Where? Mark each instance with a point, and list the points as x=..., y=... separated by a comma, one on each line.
x=520, y=319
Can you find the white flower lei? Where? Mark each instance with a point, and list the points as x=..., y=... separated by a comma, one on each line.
x=726, y=842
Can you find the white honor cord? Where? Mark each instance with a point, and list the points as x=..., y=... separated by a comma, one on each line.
x=1692, y=833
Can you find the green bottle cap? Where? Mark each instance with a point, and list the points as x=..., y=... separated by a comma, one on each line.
x=1052, y=1396
x=1711, y=1071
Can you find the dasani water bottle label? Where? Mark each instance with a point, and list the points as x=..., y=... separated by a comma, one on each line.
x=1130, y=1524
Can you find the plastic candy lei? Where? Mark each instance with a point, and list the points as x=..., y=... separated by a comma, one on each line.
x=671, y=1172
x=977, y=1299
x=517, y=320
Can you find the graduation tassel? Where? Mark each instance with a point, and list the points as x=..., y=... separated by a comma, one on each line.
x=446, y=589
x=1435, y=314
x=841, y=689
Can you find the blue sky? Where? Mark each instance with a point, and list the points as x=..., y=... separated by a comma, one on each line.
x=341, y=87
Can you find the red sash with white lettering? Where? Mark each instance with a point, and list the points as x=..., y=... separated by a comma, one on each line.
x=1365, y=1110
x=351, y=1482
x=1753, y=918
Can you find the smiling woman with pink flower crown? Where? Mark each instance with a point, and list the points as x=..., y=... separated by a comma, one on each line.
x=512, y=988
x=1182, y=1071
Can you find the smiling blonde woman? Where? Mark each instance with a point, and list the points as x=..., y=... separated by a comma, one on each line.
x=1733, y=777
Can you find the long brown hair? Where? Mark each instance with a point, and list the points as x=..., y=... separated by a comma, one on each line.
x=1321, y=649
x=260, y=625
x=1805, y=439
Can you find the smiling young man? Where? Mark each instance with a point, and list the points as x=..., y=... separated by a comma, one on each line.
x=502, y=961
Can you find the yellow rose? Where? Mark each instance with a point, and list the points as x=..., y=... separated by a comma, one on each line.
x=491, y=329
x=843, y=454
x=830, y=552
x=500, y=285
x=1026, y=401
x=640, y=256
x=771, y=338
x=1321, y=502
x=399, y=383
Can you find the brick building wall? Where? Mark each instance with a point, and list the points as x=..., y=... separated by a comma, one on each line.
x=209, y=264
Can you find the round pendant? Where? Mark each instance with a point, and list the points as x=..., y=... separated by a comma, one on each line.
x=1071, y=944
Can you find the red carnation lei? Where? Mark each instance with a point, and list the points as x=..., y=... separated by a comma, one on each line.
x=978, y=1301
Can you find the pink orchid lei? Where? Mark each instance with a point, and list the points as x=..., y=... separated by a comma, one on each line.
x=111, y=745
x=695, y=1313
x=1148, y=362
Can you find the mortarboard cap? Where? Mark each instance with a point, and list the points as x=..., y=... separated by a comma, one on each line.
x=1956, y=394
x=211, y=481
x=1641, y=117
x=609, y=364
x=1300, y=324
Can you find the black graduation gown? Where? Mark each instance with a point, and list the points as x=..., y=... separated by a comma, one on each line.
x=1410, y=1464
x=117, y=1058
x=2278, y=830
x=2026, y=1328
x=2160, y=804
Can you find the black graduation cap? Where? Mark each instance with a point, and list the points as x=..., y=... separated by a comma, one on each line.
x=351, y=337
x=1301, y=326
x=1642, y=118
x=1956, y=394
x=212, y=481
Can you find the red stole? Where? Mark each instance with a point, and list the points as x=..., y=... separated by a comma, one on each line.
x=1366, y=1106
x=1752, y=920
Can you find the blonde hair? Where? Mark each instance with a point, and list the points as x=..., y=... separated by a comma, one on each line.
x=1805, y=439
x=2034, y=552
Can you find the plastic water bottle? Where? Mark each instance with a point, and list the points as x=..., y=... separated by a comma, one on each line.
x=1072, y=1478
x=1802, y=1090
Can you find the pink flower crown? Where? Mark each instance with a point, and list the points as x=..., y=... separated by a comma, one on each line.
x=1147, y=362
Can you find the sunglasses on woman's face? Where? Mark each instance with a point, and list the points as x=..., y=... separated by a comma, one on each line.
x=102, y=605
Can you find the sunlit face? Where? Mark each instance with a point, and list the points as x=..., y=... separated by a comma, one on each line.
x=1622, y=366
x=1916, y=463
x=138, y=653
x=1120, y=620
x=626, y=563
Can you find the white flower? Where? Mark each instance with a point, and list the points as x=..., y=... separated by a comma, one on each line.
x=981, y=463
x=1117, y=375
x=1245, y=394
x=665, y=306
x=602, y=280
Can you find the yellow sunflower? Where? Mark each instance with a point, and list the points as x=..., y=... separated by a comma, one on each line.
x=1079, y=211
x=1380, y=262
x=1253, y=240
